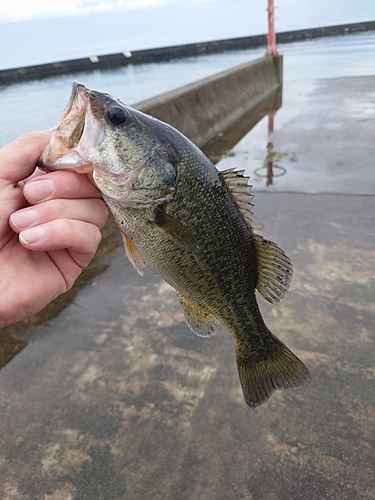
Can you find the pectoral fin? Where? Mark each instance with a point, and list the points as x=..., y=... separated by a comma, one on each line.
x=174, y=230
x=275, y=270
x=200, y=322
x=133, y=254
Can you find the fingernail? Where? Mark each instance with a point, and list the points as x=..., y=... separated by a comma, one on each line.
x=32, y=235
x=24, y=218
x=39, y=190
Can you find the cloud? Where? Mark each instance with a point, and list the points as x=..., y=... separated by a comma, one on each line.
x=21, y=10
x=139, y=4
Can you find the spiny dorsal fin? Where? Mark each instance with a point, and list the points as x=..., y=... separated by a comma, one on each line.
x=275, y=270
x=240, y=190
x=133, y=254
x=200, y=321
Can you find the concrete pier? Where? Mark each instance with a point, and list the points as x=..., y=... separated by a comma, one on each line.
x=98, y=61
x=206, y=108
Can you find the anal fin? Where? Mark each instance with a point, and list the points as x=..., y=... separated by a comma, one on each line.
x=133, y=254
x=200, y=321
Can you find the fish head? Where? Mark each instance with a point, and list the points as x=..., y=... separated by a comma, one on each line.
x=125, y=152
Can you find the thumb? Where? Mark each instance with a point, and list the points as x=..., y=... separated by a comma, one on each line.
x=17, y=162
x=18, y=158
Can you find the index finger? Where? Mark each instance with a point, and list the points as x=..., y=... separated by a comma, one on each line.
x=18, y=158
x=60, y=184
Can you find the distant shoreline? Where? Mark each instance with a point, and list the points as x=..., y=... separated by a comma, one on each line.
x=108, y=61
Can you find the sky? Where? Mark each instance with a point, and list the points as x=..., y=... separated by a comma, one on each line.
x=40, y=31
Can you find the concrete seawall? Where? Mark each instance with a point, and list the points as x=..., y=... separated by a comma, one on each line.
x=9, y=76
x=206, y=108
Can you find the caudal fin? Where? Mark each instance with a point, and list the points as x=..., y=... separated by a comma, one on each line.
x=261, y=375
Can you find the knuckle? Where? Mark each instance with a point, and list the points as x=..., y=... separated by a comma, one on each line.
x=103, y=212
x=26, y=138
x=91, y=239
x=56, y=208
x=66, y=183
x=97, y=237
x=31, y=138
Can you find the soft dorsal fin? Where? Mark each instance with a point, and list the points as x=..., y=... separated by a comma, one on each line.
x=133, y=254
x=275, y=270
x=240, y=190
x=200, y=321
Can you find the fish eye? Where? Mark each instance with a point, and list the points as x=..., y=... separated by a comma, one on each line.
x=116, y=115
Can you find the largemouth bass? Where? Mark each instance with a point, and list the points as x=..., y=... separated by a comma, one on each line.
x=187, y=222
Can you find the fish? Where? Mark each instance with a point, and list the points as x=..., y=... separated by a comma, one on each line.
x=186, y=221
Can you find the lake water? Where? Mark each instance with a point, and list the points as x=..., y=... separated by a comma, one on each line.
x=38, y=104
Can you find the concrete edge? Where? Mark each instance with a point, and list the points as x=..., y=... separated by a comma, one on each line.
x=12, y=75
x=205, y=108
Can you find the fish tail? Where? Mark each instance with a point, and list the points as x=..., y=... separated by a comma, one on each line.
x=276, y=368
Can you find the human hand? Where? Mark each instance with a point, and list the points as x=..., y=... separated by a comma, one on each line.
x=49, y=229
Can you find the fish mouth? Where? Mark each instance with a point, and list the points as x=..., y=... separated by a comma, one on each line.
x=72, y=136
x=80, y=130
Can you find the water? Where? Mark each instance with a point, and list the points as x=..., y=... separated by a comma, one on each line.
x=38, y=104
x=312, y=82
x=332, y=57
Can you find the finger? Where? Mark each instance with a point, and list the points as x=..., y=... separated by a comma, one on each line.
x=81, y=239
x=59, y=185
x=93, y=211
x=18, y=158
x=37, y=173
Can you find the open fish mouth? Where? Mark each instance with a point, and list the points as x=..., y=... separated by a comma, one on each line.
x=79, y=143
x=76, y=132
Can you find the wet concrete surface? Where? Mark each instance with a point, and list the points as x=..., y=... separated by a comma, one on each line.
x=323, y=139
x=113, y=397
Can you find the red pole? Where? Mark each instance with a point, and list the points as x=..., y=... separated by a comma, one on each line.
x=271, y=36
